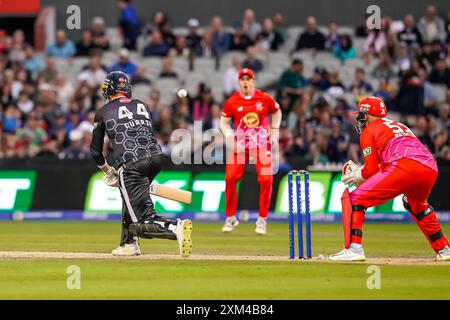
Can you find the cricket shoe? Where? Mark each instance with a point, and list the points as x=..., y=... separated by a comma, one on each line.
x=349, y=255
x=230, y=224
x=127, y=249
x=261, y=226
x=184, y=232
x=444, y=254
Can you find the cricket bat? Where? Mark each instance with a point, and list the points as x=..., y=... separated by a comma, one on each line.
x=171, y=193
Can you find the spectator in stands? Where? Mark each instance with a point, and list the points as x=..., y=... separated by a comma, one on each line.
x=409, y=100
x=214, y=121
x=49, y=73
x=443, y=120
x=141, y=77
x=75, y=149
x=402, y=59
x=410, y=34
x=180, y=49
x=161, y=24
x=65, y=92
x=164, y=121
x=85, y=45
x=129, y=23
x=291, y=83
x=193, y=39
x=279, y=27
x=440, y=73
x=421, y=130
x=98, y=32
x=431, y=26
x=316, y=154
x=207, y=48
x=376, y=39
x=32, y=135
x=220, y=38
x=154, y=102
x=63, y=47
x=385, y=91
x=332, y=40
x=17, y=50
x=250, y=26
x=360, y=86
x=125, y=64
x=312, y=38
x=268, y=38
x=156, y=47
x=337, y=143
x=384, y=67
x=230, y=84
x=93, y=75
x=32, y=63
x=343, y=50
x=201, y=106
x=429, y=94
x=240, y=41
x=335, y=88
x=427, y=56
x=49, y=149
x=318, y=81
x=167, y=69
x=24, y=103
x=251, y=61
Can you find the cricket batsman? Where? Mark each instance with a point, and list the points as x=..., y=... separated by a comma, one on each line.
x=253, y=136
x=138, y=156
x=395, y=163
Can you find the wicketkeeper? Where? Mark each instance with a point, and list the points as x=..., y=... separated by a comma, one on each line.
x=395, y=163
x=138, y=156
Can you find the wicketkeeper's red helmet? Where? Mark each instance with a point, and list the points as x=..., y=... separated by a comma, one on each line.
x=373, y=106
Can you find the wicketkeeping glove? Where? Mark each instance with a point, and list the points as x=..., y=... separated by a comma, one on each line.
x=353, y=178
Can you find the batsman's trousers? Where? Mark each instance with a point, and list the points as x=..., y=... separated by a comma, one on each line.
x=134, y=184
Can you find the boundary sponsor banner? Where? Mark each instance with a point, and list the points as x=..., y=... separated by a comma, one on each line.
x=244, y=216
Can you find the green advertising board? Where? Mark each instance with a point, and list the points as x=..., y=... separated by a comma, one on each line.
x=16, y=190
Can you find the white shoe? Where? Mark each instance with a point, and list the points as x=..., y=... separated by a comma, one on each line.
x=349, y=255
x=261, y=226
x=184, y=232
x=128, y=249
x=444, y=254
x=230, y=224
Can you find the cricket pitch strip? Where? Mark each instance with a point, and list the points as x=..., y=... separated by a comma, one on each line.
x=108, y=256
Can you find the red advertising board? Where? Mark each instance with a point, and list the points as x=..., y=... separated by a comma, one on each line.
x=20, y=6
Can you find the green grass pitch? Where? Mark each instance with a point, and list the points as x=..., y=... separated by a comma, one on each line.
x=216, y=279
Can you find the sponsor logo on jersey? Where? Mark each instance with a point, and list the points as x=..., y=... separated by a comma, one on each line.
x=259, y=106
x=367, y=151
x=240, y=109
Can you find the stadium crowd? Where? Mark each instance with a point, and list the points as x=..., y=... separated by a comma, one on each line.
x=46, y=114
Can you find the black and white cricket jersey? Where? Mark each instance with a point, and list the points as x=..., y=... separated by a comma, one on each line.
x=128, y=125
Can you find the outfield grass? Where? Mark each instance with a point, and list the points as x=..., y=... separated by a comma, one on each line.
x=189, y=279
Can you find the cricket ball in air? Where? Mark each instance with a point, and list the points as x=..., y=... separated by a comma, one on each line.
x=182, y=93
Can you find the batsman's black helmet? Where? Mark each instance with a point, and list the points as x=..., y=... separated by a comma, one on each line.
x=116, y=82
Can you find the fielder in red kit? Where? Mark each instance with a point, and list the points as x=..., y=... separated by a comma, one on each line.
x=252, y=136
x=395, y=163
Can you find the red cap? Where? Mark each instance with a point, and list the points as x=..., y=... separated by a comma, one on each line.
x=248, y=72
x=374, y=106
